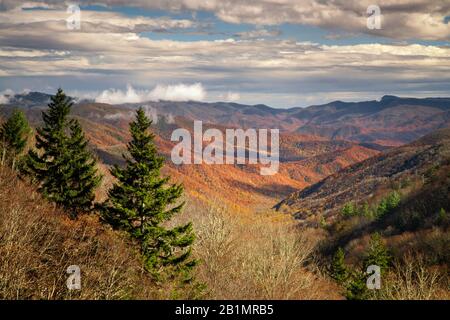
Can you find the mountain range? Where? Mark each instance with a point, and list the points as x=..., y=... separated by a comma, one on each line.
x=315, y=142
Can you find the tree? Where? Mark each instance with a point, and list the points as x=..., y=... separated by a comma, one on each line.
x=64, y=168
x=393, y=200
x=339, y=270
x=83, y=173
x=356, y=288
x=442, y=217
x=14, y=135
x=377, y=253
x=141, y=201
x=348, y=210
x=365, y=211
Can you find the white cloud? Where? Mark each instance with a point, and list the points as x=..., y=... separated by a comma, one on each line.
x=232, y=97
x=110, y=50
x=151, y=113
x=258, y=34
x=402, y=19
x=119, y=116
x=179, y=92
x=116, y=96
x=5, y=96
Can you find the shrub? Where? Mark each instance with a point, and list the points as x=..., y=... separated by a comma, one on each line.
x=409, y=279
x=377, y=253
x=348, y=210
x=339, y=271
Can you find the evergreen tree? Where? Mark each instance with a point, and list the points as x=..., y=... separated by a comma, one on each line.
x=141, y=201
x=13, y=137
x=83, y=178
x=339, y=270
x=377, y=253
x=442, y=218
x=357, y=286
x=393, y=200
x=64, y=168
x=365, y=211
x=348, y=210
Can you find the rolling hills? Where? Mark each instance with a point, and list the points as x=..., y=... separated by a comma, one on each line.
x=368, y=179
x=316, y=141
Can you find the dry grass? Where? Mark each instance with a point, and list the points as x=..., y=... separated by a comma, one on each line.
x=256, y=257
x=38, y=243
x=242, y=257
x=412, y=280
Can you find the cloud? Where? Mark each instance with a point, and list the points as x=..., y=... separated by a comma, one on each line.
x=402, y=19
x=179, y=92
x=5, y=96
x=258, y=34
x=37, y=50
x=116, y=96
x=119, y=116
x=93, y=21
x=232, y=97
x=151, y=113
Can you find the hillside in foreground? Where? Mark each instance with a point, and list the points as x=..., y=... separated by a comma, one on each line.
x=38, y=242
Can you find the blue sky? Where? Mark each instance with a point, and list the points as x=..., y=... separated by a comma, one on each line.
x=281, y=53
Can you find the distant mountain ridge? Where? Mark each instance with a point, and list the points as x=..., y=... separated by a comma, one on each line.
x=316, y=142
x=367, y=179
x=391, y=121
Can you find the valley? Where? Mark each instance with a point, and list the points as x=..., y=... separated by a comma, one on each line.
x=333, y=177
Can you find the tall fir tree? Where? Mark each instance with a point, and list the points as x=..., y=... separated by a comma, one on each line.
x=356, y=288
x=339, y=270
x=63, y=167
x=14, y=135
x=141, y=201
x=82, y=166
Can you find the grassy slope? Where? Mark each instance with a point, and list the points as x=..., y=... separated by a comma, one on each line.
x=245, y=257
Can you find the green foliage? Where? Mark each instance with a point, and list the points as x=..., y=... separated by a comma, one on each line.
x=393, y=200
x=14, y=135
x=430, y=174
x=354, y=281
x=141, y=202
x=64, y=168
x=388, y=204
x=377, y=253
x=339, y=271
x=356, y=288
x=365, y=211
x=442, y=218
x=349, y=210
x=323, y=222
x=385, y=206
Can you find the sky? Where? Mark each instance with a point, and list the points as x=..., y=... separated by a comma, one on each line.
x=283, y=53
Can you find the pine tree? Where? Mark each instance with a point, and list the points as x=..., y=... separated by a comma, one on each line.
x=83, y=173
x=64, y=168
x=442, y=218
x=356, y=288
x=348, y=210
x=339, y=270
x=393, y=200
x=141, y=201
x=377, y=253
x=13, y=137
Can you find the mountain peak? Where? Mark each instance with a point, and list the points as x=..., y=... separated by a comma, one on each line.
x=388, y=98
